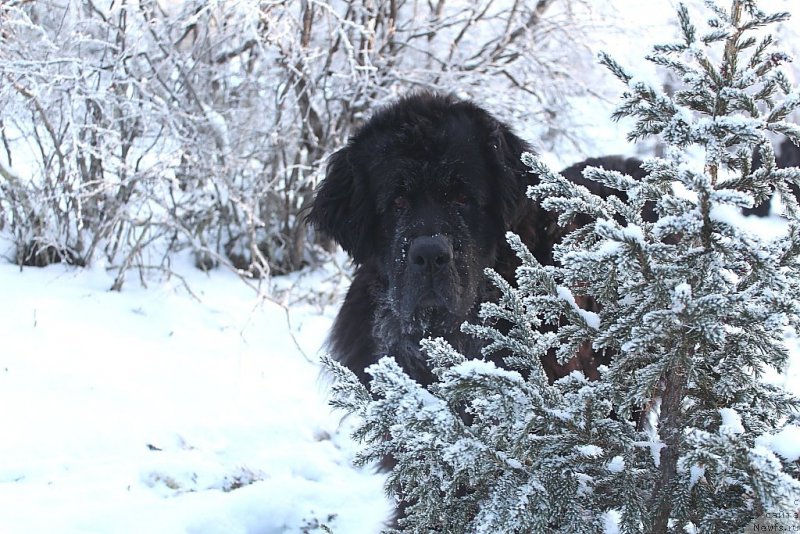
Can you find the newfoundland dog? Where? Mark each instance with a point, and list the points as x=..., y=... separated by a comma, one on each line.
x=421, y=198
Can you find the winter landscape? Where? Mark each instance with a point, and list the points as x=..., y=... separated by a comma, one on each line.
x=157, y=377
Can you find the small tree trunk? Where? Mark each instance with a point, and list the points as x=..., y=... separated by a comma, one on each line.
x=670, y=427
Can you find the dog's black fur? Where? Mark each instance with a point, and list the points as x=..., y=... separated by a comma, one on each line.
x=421, y=198
x=630, y=166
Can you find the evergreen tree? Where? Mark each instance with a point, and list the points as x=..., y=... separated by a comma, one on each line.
x=674, y=435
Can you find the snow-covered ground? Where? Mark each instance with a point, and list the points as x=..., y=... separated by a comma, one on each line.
x=152, y=410
x=164, y=410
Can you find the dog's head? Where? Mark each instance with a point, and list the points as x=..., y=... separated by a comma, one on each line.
x=424, y=193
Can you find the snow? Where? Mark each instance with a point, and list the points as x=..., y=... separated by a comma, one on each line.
x=633, y=232
x=727, y=214
x=591, y=318
x=681, y=296
x=608, y=248
x=731, y=421
x=696, y=472
x=590, y=450
x=480, y=368
x=219, y=126
x=785, y=443
x=655, y=451
x=629, y=232
x=616, y=464
x=147, y=410
x=611, y=521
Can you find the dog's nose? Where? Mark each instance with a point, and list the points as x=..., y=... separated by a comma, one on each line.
x=429, y=253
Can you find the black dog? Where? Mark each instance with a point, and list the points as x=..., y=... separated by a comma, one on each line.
x=630, y=166
x=421, y=198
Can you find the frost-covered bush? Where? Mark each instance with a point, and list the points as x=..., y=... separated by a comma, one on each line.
x=132, y=130
x=675, y=436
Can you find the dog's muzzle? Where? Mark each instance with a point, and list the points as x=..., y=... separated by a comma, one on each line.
x=429, y=261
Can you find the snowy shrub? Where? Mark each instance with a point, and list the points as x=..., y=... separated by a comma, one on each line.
x=132, y=130
x=675, y=436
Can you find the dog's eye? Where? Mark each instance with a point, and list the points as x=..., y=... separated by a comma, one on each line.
x=401, y=203
x=460, y=199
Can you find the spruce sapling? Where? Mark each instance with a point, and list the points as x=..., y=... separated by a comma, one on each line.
x=674, y=436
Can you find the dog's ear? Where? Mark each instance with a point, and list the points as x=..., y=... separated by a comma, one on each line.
x=515, y=176
x=342, y=209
